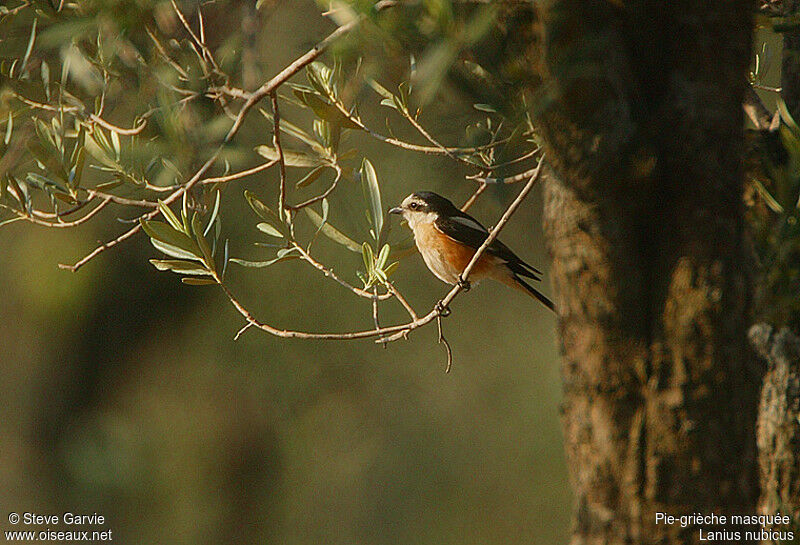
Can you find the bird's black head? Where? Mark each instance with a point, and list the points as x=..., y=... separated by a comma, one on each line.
x=425, y=202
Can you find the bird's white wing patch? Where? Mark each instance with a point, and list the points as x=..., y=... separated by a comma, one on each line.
x=472, y=224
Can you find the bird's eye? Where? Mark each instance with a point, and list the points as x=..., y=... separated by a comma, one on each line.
x=413, y=206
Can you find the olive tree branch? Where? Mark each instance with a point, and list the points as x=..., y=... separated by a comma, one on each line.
x=395, y=332
x=252, y=100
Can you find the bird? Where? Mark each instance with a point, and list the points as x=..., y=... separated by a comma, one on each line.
x=448, y=238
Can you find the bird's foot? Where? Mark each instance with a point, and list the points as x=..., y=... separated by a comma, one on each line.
x=463, y=284
x=442, y=309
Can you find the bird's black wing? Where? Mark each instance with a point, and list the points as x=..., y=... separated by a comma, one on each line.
x=467, y=230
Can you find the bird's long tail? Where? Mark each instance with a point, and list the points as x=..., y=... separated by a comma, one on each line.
x=518, y=283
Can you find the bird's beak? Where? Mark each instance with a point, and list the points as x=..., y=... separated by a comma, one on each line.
x=396, y=210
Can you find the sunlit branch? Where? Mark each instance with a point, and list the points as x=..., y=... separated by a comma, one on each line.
x=474, y=197
x=239, y=175
x=150, y=215
x=330, y=274
x=522, y=176
x=437, y=149
x=395, y=332
x=119, y=130
x=62, y=224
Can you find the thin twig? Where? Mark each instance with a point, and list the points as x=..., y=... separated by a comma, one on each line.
x=437, y=149
x=436, y=143
x=443, y=340
x=522, y=176
x=119, y=130
x=514, y=161
x=322, y=195
x=178, y=68
x=330, y=274
x=394, y=291
x=375, y=314
x=64, y=224
x=276, y=141
x=238, y=175
x=474, y=197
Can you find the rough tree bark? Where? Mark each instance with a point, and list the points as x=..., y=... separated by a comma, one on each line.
x=641, y=113
x=779, y=424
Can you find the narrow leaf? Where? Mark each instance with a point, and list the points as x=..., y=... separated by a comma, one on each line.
x=261, y=264
x=291, y=158
x=173, y=251
x=170, y=216
x=29, y=49
x=164, y=233
x=311, y=177
x=9, y=128
x=198, y=281
x=264, y=211
x=332, y=233
x=372, y=192
x=197, y=230
x=180, y=267
x=214, y=213
x=269, y=229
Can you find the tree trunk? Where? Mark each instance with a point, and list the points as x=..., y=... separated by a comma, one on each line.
x=641, y=113
x=779, y=426
x=790, y=63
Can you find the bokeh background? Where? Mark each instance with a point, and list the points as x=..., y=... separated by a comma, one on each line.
x=125, y=394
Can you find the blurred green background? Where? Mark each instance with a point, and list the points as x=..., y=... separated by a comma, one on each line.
x=125, y=394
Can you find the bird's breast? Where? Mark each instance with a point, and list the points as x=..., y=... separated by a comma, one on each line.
x=445, y=257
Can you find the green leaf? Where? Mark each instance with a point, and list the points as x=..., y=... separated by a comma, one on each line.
x=317, y=75
x=331, y=232
x=170, y=216
x=164, y=233
x=769, y=200
x=383, y=256
x=198, y=281
x=324, y=109
x=390, y=269
x=9, y=128
x=76, y=172
x=291, y=158
x=311, y=177
x=180, y=267
x=372, y=192
x=485, y=108
x=43, y=182
x=264, y=212
x=109, y=185
x=269, y=229
x=45, y=70
x=214, y=213
x=787, y=117
x=297, y=132
x=197, y=230
x=173, y=251
x=369, y=257
x=29, y=49
x=261, y=264
x=115, y=144
x=380, y=89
